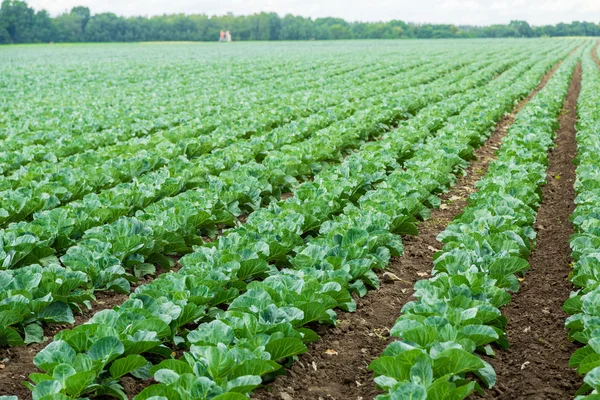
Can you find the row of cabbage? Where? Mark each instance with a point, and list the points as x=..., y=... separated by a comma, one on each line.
x=114, y=95
x=210, y=109
x=583, y=325
x=126, y=196
x=114, y=254
x=358, y=241
x=59, y=228
x=290, y=102
x=45, y=185
x=121, y=89
x=457, y=312
x=277, y=111
x=249, y=184
x=31, y=147
x=267, y=308
x=48, y=151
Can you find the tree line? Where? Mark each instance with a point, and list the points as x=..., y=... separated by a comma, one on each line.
x=20, y=23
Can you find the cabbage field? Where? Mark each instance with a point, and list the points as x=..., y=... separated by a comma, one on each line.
x=320, y=220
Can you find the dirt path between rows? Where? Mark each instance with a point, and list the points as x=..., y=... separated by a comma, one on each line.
x=536, y=366
x=335, y=367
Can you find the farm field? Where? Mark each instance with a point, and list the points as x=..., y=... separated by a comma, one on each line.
x=313, y=220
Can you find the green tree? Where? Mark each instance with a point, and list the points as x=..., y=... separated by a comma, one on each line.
x=105, y=27
x=21, y=24
x=68, y=28
x=44, y=27
x=84, y=15
x=17, y=20
x=521, y=28
x=296, y=28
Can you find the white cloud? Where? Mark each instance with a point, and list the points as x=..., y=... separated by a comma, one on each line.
x=499, y=5
x=476, y=12
x=461, y=5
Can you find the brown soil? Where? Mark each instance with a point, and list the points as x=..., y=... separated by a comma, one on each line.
x=536, y=365
x=595, y=53
x=362, y=336
x=17, y=363
x=133, y=386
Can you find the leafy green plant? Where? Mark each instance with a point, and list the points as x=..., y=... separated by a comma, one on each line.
x=171, y=225
x=585, y=243
x=485, y=250
x=216, y=290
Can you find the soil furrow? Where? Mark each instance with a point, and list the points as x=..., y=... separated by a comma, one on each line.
x=536, y=365
x=335, y=367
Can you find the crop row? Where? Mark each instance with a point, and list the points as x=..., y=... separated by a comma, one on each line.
x=202, y=119
x=201, y=136
x=210, y=109
x=59, y=228
x=40, y=147
x=348, y=248
x=114, y=94
x=264, y=320
x=279, y=110
x=122, y=88
x=244, y=187
x=126, y=197
x=457, y=312
x=583, y=304
x=172, y=90
x=49, y=185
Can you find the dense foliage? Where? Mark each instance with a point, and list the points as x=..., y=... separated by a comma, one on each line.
x=457, y=312
x=19, y=23
x=585, y=243
x=252, y=193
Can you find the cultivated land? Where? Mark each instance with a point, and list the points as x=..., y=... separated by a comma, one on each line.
x=339, y=220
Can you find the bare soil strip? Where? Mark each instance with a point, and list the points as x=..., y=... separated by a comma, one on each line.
x=335, y=367
x=595, y=54
x=536, y=365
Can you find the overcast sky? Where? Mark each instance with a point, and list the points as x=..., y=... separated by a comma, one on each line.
x=474, y=12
